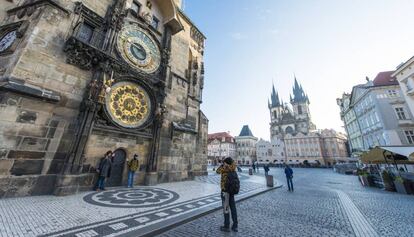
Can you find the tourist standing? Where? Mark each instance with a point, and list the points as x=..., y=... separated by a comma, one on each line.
x=104, y=171
x=133, y=166
x=266, y=169
x=254, y=167
x=289, y=177
x=230, y=186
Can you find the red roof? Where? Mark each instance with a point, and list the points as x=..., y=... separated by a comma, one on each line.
x=220, y=135
x=385, y=79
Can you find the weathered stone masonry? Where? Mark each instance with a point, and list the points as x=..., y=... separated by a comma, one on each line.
x=54, y=124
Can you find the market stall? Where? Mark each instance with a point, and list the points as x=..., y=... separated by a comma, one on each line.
x=389, y=167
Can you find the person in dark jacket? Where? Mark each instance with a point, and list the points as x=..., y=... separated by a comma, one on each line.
x=229, y=204
x=289, y=177
x=133, y=166
x=266, y=169
x=254, y=167
x=104, y=171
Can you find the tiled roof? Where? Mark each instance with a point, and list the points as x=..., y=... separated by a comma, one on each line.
x=385, y=79
x=219, y=136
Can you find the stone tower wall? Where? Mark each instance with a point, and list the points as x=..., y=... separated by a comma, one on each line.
x=38, y=124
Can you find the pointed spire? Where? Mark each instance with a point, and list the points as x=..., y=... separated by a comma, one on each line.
x=296, y=83
x=275, y=97
x=299, y=94
x=273, y=89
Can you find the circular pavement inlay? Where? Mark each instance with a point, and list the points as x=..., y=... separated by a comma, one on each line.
x=132, y=197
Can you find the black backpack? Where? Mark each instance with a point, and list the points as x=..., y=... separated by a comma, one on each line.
x=232, y=183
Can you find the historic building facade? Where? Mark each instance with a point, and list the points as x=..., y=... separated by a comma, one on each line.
x=246, y=146
x=220, y=146
x=376, y=113
x=294, y=139
x=405, y=76
x=271, y=152
x=324, y=147
x=80, y=78
x=290, y=120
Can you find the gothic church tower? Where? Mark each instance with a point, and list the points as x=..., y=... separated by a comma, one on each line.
x=285, y=120
x=300, y=104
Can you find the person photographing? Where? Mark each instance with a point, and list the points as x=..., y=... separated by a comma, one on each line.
x=230, y=186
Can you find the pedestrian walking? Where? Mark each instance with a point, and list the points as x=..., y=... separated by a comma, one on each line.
x=289, y=177
x=230, y=186
x=266, y=169
x=133, y=166
x=104, y=171
x=257, y=167
x=254, y=167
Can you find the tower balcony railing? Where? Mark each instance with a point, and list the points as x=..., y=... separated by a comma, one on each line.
x=89, y=36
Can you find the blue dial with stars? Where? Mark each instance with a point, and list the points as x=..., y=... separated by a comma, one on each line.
x=138, y=48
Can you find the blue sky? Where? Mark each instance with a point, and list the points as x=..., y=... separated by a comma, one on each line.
x=329, y=45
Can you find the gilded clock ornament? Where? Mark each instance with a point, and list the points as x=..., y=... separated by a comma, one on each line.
x=139, y=48
x=7, y=40
x=128, y=104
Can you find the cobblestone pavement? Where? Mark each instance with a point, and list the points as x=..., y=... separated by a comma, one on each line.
x=115, y=212
x=324, y=204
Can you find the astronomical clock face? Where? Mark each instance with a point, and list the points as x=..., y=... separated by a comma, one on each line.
x=128, y=104
x=139, y=49
x=7, y=40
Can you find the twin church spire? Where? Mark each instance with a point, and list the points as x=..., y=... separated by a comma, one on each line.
x=299, y=96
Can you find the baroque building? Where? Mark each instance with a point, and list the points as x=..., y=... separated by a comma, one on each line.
x=220, y=146
x=376, y=114
x=405, y=76
x=321, y=147
x=271, y=152
x=246, y=146
x=80, y=78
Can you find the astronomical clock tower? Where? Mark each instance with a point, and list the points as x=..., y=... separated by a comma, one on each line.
x=80, y=78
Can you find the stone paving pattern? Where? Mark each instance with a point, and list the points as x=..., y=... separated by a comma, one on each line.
x=314, y=209
x=109, y=212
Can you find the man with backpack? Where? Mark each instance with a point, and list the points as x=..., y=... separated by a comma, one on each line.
x=230, y=186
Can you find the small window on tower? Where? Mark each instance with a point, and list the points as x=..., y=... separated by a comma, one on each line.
x=135, y=7
x=274, y=114
x=299, y=109
x=155, y=22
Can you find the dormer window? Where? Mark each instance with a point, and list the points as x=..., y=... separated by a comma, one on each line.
x=135, y=7
x=155, y=22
